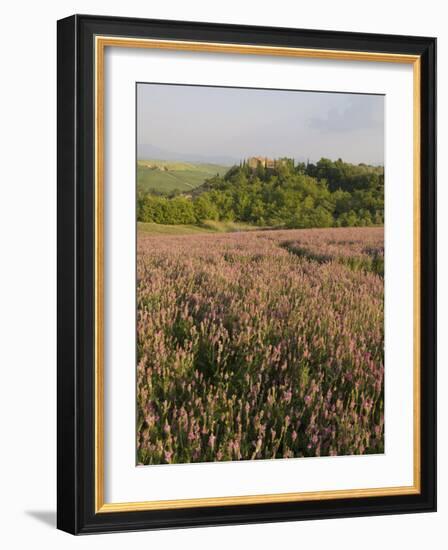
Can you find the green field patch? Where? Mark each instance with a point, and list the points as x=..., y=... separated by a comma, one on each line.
x=188, y=229
x=166, y=177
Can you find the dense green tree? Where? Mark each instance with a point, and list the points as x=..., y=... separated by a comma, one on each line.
x=205, y=209
x=178, y=210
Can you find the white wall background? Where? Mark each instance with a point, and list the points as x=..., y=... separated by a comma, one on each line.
x=28, y=271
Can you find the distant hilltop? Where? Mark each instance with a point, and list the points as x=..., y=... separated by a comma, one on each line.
x=254, y=162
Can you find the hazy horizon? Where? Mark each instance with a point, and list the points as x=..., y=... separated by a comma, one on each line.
x=225, y=125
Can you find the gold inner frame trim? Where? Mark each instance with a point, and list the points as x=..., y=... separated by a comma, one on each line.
x=101, y=42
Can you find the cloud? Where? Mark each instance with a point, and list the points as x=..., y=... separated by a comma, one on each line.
x=361, y=113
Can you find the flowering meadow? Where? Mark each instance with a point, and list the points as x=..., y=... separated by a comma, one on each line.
x=260, y=345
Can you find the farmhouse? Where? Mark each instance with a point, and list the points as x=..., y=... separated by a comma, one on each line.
x=159, y=167
x=254, y=162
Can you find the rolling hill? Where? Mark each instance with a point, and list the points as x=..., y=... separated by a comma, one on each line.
x=165, y=176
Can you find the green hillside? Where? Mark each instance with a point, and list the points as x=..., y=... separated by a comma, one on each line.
x=166, y=176
x=287, y=194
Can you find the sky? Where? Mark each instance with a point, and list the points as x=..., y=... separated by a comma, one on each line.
x=226, y=125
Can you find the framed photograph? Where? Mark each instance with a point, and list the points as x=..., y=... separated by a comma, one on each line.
x=246, y=274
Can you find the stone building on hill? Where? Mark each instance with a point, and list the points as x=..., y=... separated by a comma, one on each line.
x=254, y=162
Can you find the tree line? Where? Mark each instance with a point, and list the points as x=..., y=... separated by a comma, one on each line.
x=292, y=195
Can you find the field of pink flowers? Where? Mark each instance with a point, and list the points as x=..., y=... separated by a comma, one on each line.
x=260, y=345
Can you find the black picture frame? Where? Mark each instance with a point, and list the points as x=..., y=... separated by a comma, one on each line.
x=75, y=271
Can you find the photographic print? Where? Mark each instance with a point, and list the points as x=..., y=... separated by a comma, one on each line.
x=260, y=274
x=234, y=345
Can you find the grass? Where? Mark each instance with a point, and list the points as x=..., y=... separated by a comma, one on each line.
x=165, y=176
x=207, y=227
